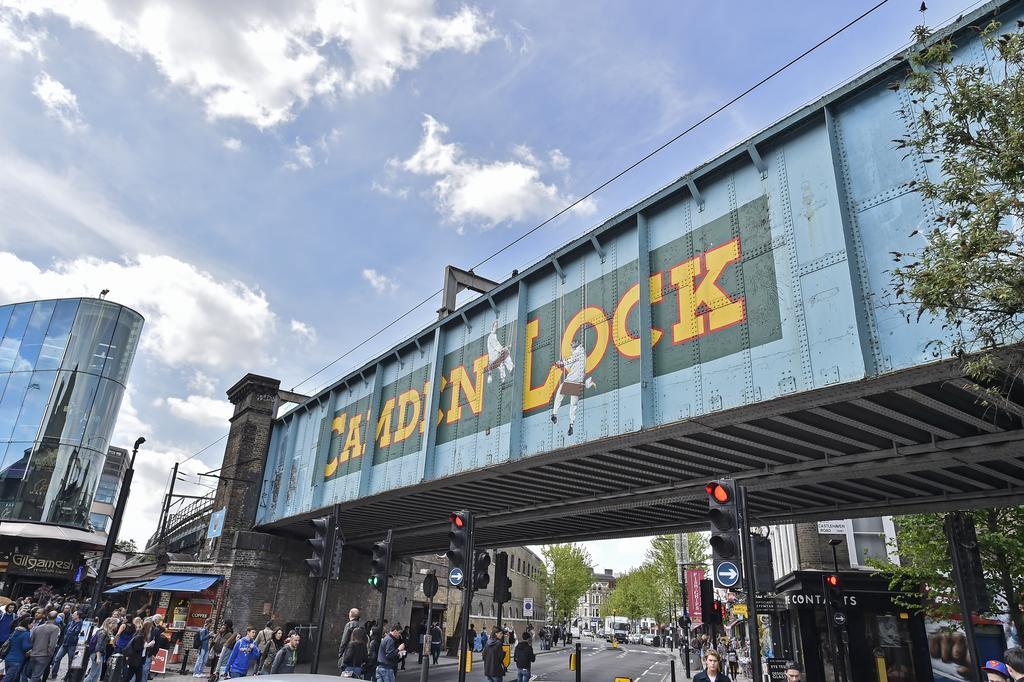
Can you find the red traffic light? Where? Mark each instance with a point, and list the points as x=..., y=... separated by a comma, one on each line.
x=832, y=580
x=457, y=520
x=718, y=492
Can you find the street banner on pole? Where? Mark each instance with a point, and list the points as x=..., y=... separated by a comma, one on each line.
x=693, y=578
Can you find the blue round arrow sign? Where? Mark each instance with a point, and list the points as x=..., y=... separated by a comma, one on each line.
x=455, y=576
x=727, y=574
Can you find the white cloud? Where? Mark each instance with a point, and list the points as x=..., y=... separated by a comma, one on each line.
x=63, y=212
x=201, y=410
x=559, y=161
x=303, y=330
x=61, y=104
x=232, y=143
x=201, y=383
x=389, y=190
x=381, y=283
x=469, y=190
x=18, y=39
x=301, y=156
x=192, y=318
x=261, y=62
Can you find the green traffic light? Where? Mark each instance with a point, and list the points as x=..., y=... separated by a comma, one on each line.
x=373, y=580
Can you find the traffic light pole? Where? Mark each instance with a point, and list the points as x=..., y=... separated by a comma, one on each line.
x=321, y=609
x=384, y=588
x=686, y=630
x=467, y=600
x=748, y=572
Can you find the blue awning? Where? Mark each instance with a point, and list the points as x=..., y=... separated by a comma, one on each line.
x=126, y=587
x=181, y=582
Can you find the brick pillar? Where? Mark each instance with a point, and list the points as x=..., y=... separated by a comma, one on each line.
x=245, y=456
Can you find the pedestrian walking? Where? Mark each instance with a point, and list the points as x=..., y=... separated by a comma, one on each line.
x=391, y=652
x=436, y=635
x=372, y=651
x=355, y=655
x=68, y=643
x=733, y=659
x=44, y=640
x=346, y=633
x=269, y=651
x=712, y=669
x=8, y=621
x=1014, y=660
x=471, y=637
x=494, y=656
x=18, y=646
x=96, y=650
x=243, y=654
x=407, y=641
x=136, y=652
x=287, y=657
x=263, y=638
x=524, y=657
x=228, y=646
x=203, y=642
x=794, y=672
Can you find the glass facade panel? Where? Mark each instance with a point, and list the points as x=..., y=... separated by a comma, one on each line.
x=106, y=490
x=122, y=345
x=10, y=403
x=63, y=365
x=37, y=395
x=12, y=336
x=99, y=521
x=56, y=341
x=91, y=336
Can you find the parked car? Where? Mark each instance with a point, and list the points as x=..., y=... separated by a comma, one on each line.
x=648, y=640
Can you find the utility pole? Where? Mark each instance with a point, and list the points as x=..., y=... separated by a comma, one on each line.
x=748, y=569
x=115, y=525
x=166, y=511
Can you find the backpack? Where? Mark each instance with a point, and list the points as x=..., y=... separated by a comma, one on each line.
x=6, y=646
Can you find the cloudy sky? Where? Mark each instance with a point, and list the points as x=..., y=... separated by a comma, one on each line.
x=271, y=182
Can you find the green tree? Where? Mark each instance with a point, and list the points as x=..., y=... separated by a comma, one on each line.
x=567, y=575
x=126, y=546
x=967, y=119
x=922, y=579
x=629, y=596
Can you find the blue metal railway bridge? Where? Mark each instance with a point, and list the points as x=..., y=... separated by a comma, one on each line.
x=737, y=322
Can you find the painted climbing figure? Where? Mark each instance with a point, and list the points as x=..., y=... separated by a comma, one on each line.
x=573, y=382
x=498, y=356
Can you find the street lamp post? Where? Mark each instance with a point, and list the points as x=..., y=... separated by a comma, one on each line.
x=115, y=526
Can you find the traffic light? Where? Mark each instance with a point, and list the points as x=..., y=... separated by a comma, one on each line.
x=502, y=584
x=725, y=535
x=717, y=612
x=379, y=565
x=458, y=544
x=707, y=598
x=833, y=588
x=481, y=576
x=339, y=546
x=321, y=544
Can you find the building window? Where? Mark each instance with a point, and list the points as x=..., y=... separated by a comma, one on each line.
x=106, y=490
x=99, y=521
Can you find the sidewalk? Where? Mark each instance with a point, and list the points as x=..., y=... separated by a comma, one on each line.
x=328, y=666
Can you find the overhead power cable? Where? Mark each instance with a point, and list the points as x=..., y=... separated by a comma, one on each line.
x=604, y=184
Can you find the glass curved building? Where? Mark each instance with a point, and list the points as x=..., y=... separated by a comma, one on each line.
x=63, y=368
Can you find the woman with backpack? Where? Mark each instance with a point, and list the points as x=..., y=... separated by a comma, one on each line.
x=96, y=650
x=372, y=649
x=269, y=651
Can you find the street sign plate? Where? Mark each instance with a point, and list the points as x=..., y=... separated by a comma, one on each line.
x=740, y=610
x=455, y=576
x=839, y=618
x=527, y=607
x=727, y=574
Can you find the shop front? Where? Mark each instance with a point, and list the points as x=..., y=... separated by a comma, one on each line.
x=29, y=563
x=887, y=643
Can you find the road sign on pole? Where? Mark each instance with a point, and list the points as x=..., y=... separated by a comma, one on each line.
x=727, y=574
x=527, y=607
x=455, y=577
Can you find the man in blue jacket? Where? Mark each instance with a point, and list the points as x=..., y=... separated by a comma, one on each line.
x=244, y=655
x=67, y=643
x=390, y=654
x=7, y=622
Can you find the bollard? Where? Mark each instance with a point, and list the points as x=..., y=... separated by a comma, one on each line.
x=578, y=663
x=672, y=667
